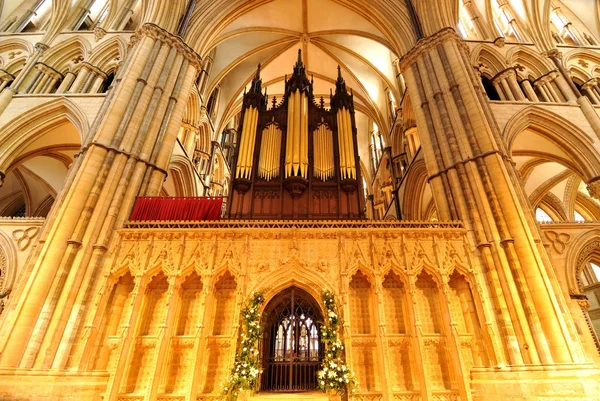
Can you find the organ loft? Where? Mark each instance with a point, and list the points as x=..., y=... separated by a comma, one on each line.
x=400, y=203
x=297, y=159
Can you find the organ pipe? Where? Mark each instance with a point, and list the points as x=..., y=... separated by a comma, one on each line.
x=268, y=165
x=346, y=144
x=323, y=153
x=296, y=153
x=244, y=163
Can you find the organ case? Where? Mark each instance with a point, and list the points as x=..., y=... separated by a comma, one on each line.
x=296, y=159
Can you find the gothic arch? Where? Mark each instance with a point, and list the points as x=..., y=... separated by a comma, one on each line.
x=273, y=293
x=533, y=62
x=109, y=54
x=182, y=174
x=26, y=128
x=416, y=183
x=488, y=59
x=8, y=263
x=61, y=55
x=561, y=132
x=581, y=250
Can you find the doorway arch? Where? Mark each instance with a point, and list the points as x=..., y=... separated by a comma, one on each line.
x=292, y=349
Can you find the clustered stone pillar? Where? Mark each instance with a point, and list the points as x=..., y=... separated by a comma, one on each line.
x=134, y=133
x=529, y=92
x=507, y=86
x=43, y=79
x=473, y=180
x=89, y=79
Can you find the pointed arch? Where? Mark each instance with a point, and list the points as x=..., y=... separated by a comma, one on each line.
x=182, y=174
x=488, y=59
x=61, y=55
x=108, y=54
x=585, y=160
x=532, y=61
x=29, y=126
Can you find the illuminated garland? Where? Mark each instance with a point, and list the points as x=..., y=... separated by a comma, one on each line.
x=334, y=374
x=245, y=372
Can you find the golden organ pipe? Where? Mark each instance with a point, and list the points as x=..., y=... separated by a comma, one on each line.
x=349, y=147
x=251, y=140
x=242, y=155
x=288, y=144
x=330, y=153
x=304, y=138
x=296, y=117
x=341, y=144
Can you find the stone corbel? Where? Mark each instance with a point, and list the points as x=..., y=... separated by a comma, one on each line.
x=593, y=188
x=41, y=47
x=99, y=33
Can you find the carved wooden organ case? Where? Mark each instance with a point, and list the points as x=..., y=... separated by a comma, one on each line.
x=296, y=159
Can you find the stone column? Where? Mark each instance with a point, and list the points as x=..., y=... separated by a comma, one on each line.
x=464, y=151
x=500, y=90
x=511, y=78
x=66, y=82
x=82, y=75
x=550, y=88
x=143, y=111
x=97, y=84
x=543, y=93
x=588, y=88
x=506, y=88
x=531, y=95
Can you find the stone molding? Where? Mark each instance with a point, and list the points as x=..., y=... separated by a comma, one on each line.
x=155, y=32
x=429, y=43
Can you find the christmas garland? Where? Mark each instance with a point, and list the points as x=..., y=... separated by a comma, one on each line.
x=244, y=375
x=334, y=374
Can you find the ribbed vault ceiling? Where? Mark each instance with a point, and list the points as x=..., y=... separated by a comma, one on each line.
x=328, y=35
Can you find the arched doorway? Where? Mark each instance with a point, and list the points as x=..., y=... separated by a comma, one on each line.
x=291, y=350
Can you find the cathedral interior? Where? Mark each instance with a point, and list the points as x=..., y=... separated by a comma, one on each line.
x=433, y=164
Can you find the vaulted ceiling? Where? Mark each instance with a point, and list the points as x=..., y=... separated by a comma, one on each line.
x=327, y=33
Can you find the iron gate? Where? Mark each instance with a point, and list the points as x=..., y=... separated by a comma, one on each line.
x=292, y=349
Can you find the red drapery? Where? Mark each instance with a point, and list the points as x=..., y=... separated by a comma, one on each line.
x=163, y=208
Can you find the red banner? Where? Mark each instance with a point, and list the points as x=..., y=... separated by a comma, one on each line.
x=168, y=208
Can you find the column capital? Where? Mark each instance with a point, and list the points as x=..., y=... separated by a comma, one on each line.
x=157, y=33
x=99, y=33
x=553, y=53
x=425, y=44
x=41, y=47
x=505, y=74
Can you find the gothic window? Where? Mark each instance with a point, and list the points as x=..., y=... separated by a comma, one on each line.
x=590, y=274
x=92, y=17
x=505, y=22
x=36, y=17
x=563, y=30
x=578, y=217
x=541, y=216
x=466, y=27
